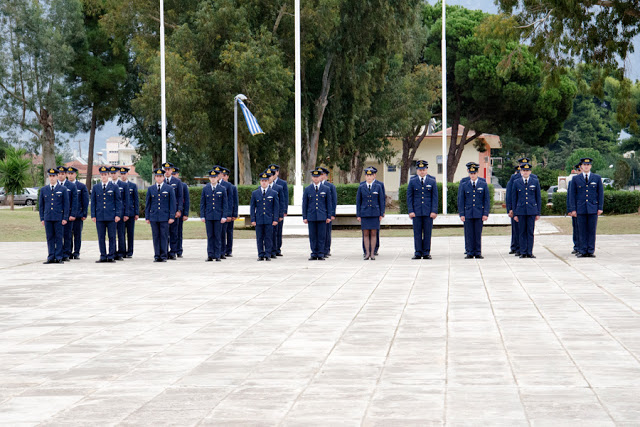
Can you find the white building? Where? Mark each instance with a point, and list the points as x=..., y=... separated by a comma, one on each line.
x=120, y=152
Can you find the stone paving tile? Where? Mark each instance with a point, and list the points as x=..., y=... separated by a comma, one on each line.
x=395, y=342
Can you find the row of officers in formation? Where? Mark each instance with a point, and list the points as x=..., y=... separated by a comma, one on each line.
x=114, y=200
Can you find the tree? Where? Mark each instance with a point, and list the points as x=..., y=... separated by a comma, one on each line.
x=547, y=176
x=599, y=32
x=144, y=167
x=36, y=50
x=494, y=84
x=97, y=75
x=599, y=164
x=14, y=172
x=621, y=174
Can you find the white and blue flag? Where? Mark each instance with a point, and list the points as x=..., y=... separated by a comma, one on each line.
x=252, y=123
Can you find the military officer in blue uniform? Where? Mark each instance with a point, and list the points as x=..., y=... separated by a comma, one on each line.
x=574, y=219
x=106, y=208
x=316, y=212
x=265, y=212
x=121, y=247
x=375, y=176
x=526, y=203
x=514, y=249
x=370, y=207
x=224, y=226
x=422, y=204
x=282, y=205
x=214, y=211
x=54, y=208
x=186, y=206
x=81, y=214
x=178, y=189
x=67, y=240
x=473, y=208
x=275, y=170
x=334, y=206
x=160, y=213
x=132, y=211
x=232, y=193
x=586, y=202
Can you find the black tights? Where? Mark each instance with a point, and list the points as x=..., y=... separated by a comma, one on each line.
x=369, y=237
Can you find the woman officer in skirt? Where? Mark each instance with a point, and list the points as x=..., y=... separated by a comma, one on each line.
x=370, y=205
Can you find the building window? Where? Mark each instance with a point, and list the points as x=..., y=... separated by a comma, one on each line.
x=439, y=162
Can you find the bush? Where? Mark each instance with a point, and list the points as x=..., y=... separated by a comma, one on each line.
x=615, y=202
x=347, y=193
x=544, y=209
x=452, y=197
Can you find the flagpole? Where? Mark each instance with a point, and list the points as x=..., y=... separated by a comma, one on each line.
x=235, y=136
x=297, y=191
x=444, y=108
x=163, y=100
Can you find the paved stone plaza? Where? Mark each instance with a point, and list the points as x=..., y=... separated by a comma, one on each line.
x=392, y=342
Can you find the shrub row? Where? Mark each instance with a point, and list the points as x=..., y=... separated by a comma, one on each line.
x=452, y=197
x=615, y=202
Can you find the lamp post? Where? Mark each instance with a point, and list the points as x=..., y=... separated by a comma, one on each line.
x=163, y=100
x=297, y=189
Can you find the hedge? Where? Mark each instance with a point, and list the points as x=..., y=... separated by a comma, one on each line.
x=346, y=196
x=452, y=197
x=615, y=202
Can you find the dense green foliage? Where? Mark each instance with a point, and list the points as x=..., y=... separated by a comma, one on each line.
x=452, y=197
x=14, y=170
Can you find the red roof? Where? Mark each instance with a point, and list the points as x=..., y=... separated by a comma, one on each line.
x=82, y=168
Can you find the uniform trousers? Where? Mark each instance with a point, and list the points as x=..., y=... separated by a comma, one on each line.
x=54, y=231
x=106, y=228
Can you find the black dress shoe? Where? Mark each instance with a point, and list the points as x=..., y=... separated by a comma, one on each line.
x=118, y=258
x=312, y=258
x=65, y=259
x=479, y=257
x=591, y=255
x=111, y=260
x=416, y=257
x=261, y=258
x=512, y=252
x=59, y=261
x=364, y=256
x=223, y=257
x=531, y=256
x=522, y=256
x=327, y=255
x=376, y=253
x=155, y=260
x=101, y=260
x=49, y=261
x=373, y=258
x=209, y=259
x=427, y=257
x=179, y=255
x=279, y=254
x=582, y=255
x=228, y=255
x=268, y=259
x=128, y=256
x=573, y=252
x=469, y=257
x=173, y=257
x=218, y=259
x=517, y=254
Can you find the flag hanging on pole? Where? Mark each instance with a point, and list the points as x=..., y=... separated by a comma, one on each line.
x=252, y=123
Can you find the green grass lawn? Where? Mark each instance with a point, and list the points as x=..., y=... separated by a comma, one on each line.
x=23, y=225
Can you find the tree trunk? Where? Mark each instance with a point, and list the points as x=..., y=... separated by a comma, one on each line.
x=410, y=145
x=48, y=142
x=10, y=199
x=244, y=163
x=92, y=141
x=406, y=162
x=456, y=147
x=356, y=168
x=311, y=151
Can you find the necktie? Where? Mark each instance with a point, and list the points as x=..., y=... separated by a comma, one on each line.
x=264, y=192
x=369, y=187
x=422, y=181
x=526, y=181
x=316, y=188
x=104, y=187
x=158, y=188
x=586, y=177
x=474, y=185
x=52, y=187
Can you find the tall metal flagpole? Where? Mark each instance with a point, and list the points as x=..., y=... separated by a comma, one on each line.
x=297, y=190
x=235, y=136
x=163, y=100
x=444, y=108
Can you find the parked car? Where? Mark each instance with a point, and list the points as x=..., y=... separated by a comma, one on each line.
x=550, y=191
x=28, y=197
x=607, y=182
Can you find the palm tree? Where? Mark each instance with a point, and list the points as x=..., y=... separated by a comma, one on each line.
x=14, y=172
